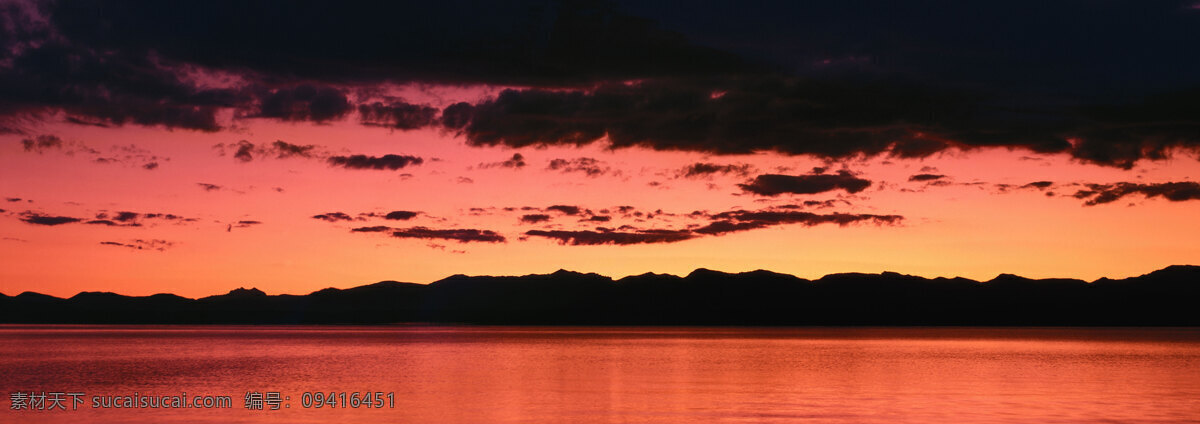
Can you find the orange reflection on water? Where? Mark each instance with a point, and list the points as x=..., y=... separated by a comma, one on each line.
x=514, y=374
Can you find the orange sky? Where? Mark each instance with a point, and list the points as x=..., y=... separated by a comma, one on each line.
x=194, y=148
x=968, y=226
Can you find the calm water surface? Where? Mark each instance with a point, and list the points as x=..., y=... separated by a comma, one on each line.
x=568, y=375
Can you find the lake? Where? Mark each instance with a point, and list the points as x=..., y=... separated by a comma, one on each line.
x=434, y=374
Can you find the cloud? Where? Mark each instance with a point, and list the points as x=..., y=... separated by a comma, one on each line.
x=588, y=72
x=304, y=102
x=342, y=216
x=459, y=235
x=734, y=221
x=111, y=223
x=241, y=224
x=400, y=215
x=372, y=229
x=246, y=151
x=166, y=216
x=716, y=225
x=103, y=65
x=398, y=115
x=42, y=143
x=283, y=150
x=776, y=184
x=119, y=154
x=106, y=88
x=457, y=116
x=704, y=169
x=517, y=161
x=926, y=177
x=826, y=118
x=816, y=204
x=115, y=219
x=829, y=118
x=125, y=216
x=135, y=219
x=334, y=217
x=534, y=218
x=566, y=209
x=1097, y=194
x=588, y=166
x=209, y=187
x=388, y=162
x=592, y=238
x=48, y=220
x=159, y=245
x=710, y=224
x=1152, y=128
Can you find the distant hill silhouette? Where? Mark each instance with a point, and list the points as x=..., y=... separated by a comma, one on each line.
x=1170, y=296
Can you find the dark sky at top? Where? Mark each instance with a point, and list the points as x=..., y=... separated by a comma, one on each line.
x=1084, y=50
x=1109, y=82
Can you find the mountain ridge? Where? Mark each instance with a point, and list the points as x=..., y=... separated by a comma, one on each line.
x=702, y=297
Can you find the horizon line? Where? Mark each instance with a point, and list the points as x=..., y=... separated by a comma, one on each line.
x=615, y=280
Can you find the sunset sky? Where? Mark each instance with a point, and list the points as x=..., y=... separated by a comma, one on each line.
x=196, y=147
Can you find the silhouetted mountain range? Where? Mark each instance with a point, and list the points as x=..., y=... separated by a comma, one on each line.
x=1170, y=296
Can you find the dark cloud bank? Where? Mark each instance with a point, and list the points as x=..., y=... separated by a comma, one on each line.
x=704, y=297
x=914, y=78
